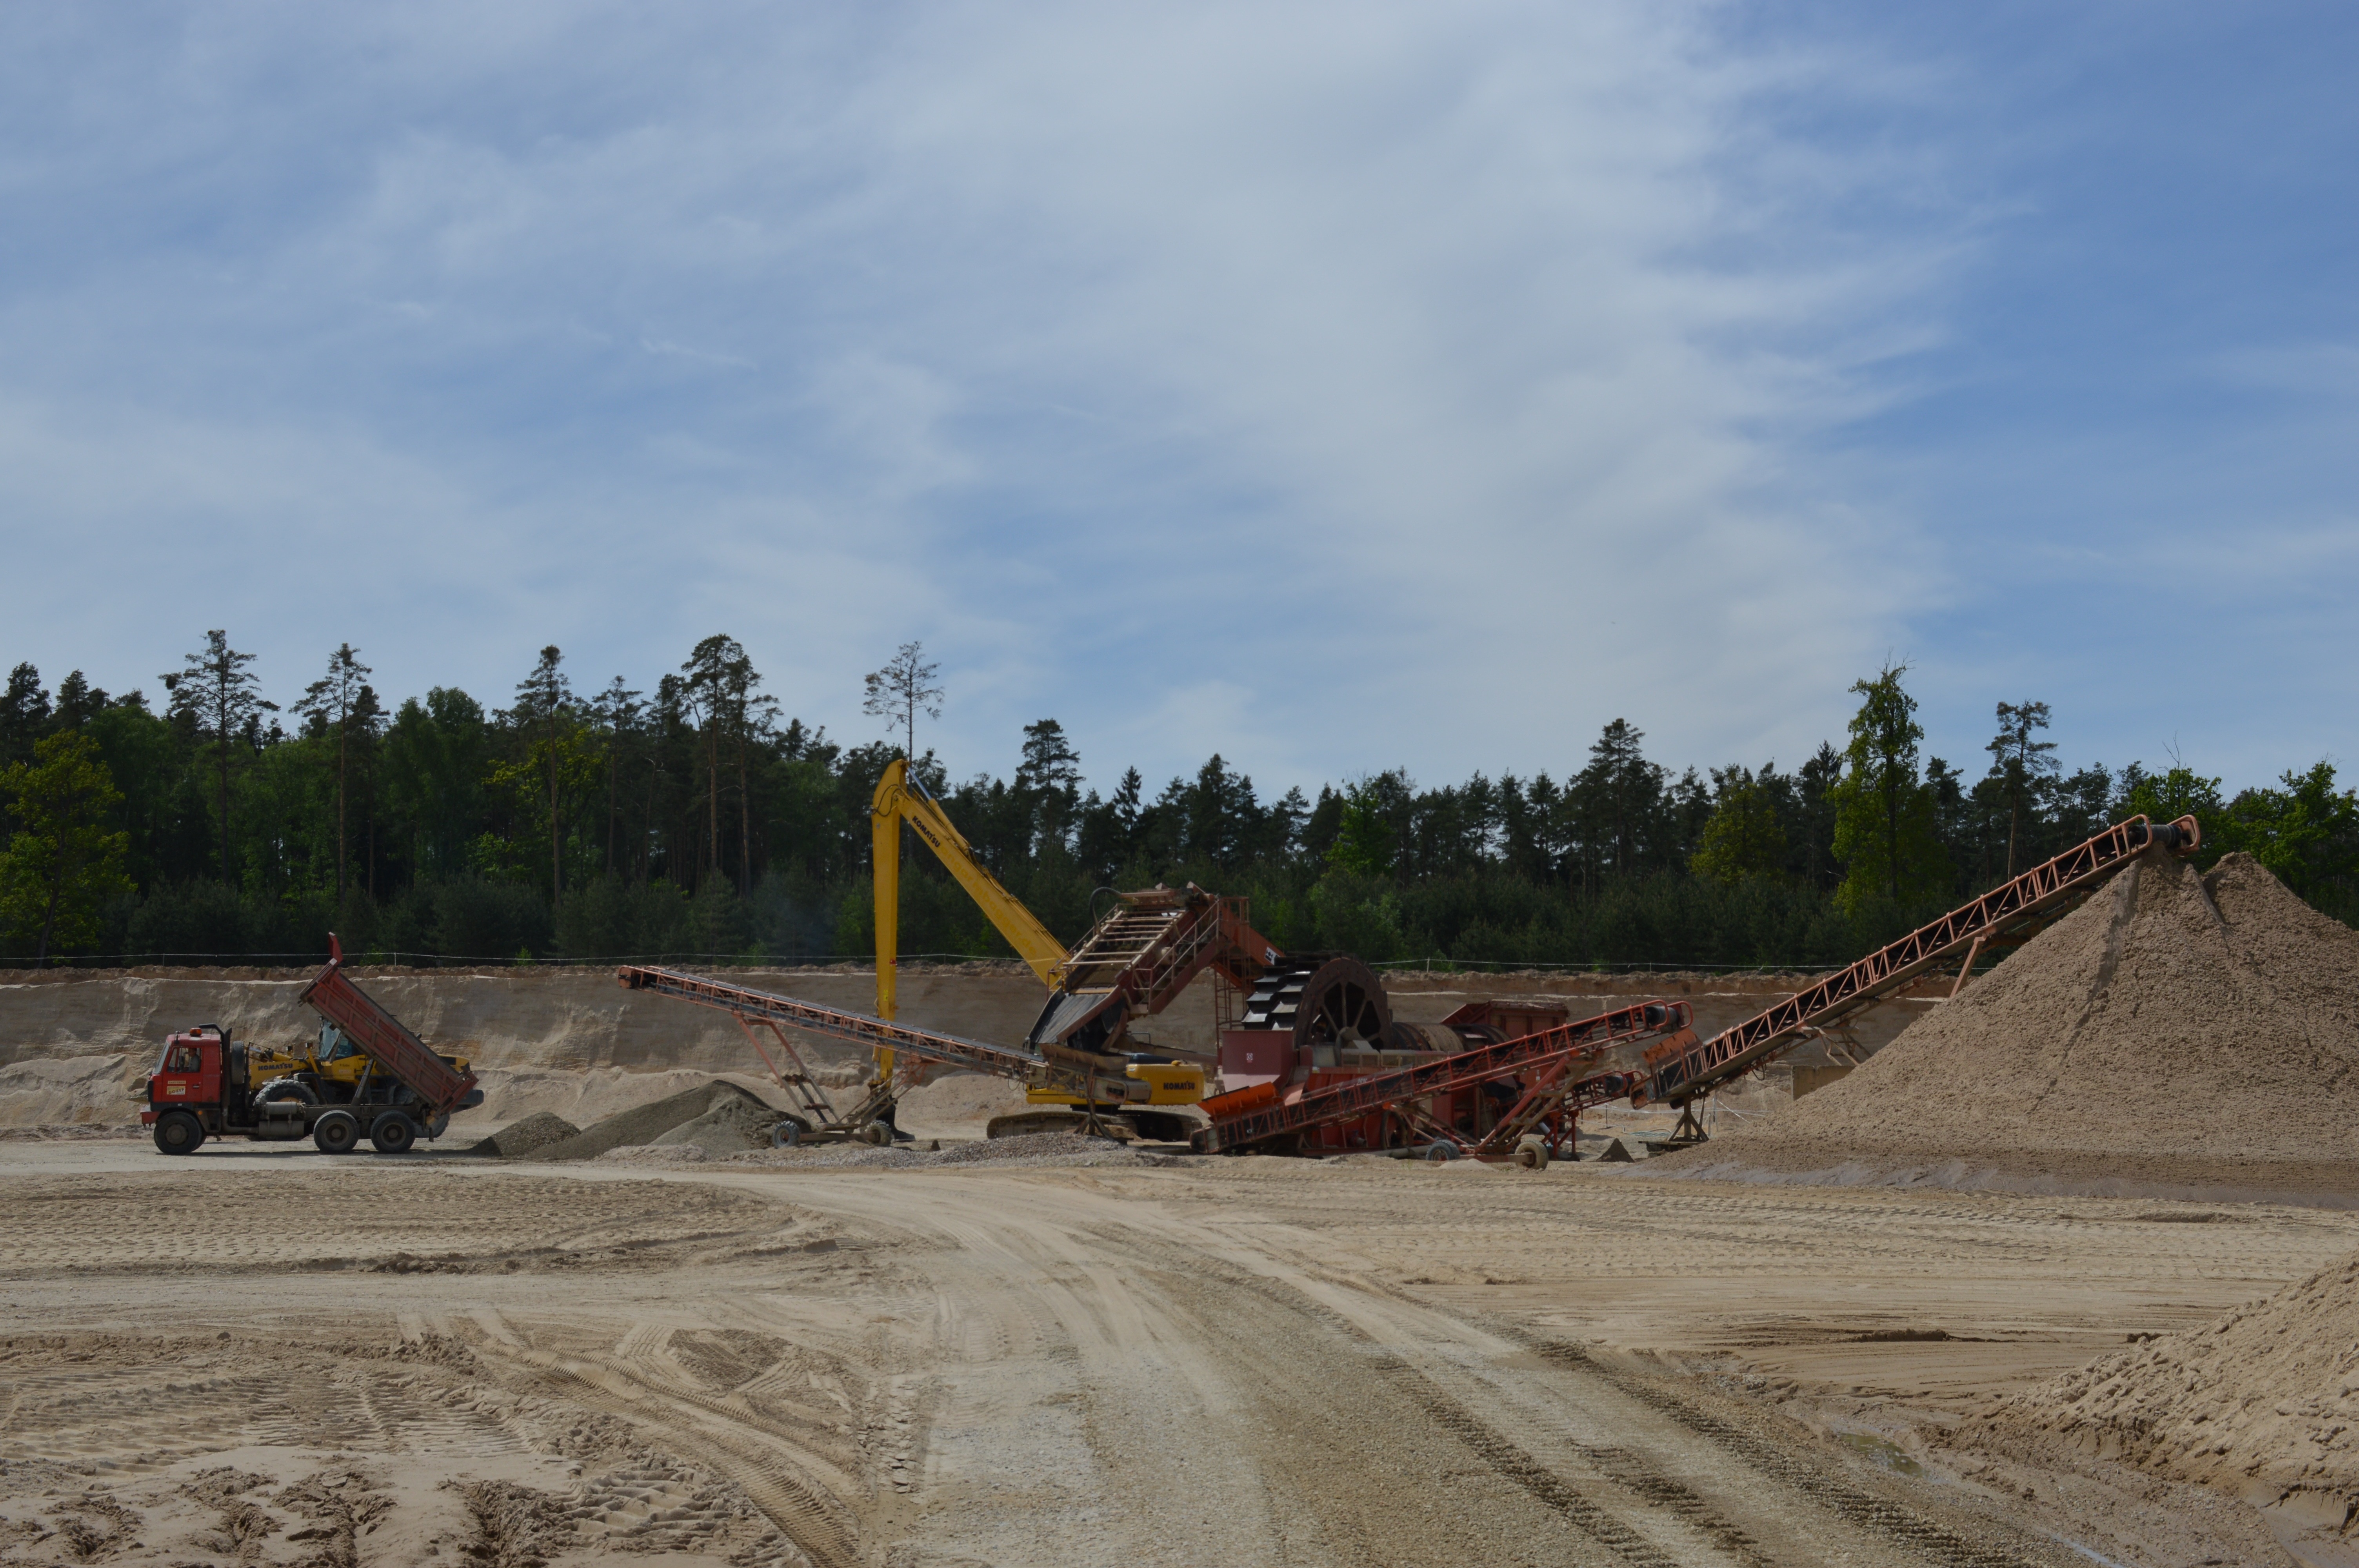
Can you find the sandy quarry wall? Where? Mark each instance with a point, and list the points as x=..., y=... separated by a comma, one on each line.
x=74, y=1044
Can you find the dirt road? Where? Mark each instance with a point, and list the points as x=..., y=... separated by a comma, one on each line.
x=261, y=1355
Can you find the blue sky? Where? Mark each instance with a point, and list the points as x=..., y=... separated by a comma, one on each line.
x=1334, y=386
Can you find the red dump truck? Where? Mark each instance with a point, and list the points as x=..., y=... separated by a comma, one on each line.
x=371, y=1076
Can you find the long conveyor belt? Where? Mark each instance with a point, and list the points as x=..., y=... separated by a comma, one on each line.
x=834, y=1023
x=1678, y=1074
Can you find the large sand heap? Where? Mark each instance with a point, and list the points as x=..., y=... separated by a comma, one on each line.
x=2178, y=1032
x=2263, y=1403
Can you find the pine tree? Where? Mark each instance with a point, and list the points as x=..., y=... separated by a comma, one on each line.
x=332, y=699
x=222, y=700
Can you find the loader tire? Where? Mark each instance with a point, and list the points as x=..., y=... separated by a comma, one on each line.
x=178, y=1133
x=393, y=1133
x=336, y=1132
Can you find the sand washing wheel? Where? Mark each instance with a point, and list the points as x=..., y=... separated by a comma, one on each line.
x=1325, y=1000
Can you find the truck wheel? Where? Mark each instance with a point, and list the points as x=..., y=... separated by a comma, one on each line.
x=178, y=1132
x=336, y=1132
x=394, y=1133
x=877, y=1133
x=786, y=1135
x=1532, y=1152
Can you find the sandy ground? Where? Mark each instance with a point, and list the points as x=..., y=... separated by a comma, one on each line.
x=262, y=1355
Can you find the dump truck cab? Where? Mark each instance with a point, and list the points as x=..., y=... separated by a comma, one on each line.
x=190, y=1070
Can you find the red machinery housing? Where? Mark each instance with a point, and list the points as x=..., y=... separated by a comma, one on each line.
x=1318, y=1064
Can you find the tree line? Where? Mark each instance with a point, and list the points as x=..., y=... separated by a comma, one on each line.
x=696, y=819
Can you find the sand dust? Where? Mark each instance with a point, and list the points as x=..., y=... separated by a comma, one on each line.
x=2199, y=1034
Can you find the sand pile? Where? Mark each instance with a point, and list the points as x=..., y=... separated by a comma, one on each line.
x=717, y=1117
x=2196, y=1035
x=537, y=1131
x=2263, y=1404
x=958, y=1105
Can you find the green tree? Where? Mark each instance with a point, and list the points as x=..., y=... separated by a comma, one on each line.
x=335, y=700
x=545, y=699
x=223, y=701
x=1743, y=838
x=1048, y=783
x=2305, y=831
x=2023, y=768
x=64, y=862
x=903, y=689
x=618, y=710
x=1368, y=835
x=1617, y=799
x=1884, y=812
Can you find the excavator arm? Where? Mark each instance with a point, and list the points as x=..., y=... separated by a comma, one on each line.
x=901, y=798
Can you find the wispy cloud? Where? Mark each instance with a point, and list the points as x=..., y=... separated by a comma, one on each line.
x=1328, y=386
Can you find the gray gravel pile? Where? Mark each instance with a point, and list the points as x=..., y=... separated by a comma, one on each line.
x=718, y=1117
x=534, y=1132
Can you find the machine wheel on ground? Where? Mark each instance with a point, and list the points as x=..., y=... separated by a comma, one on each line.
x=178, y=1133
x=336, y=1132
x=393, y=1133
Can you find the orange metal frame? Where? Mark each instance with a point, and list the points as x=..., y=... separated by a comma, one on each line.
x=1680, y=1073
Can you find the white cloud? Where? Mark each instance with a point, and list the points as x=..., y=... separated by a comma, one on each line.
x=1328, y=386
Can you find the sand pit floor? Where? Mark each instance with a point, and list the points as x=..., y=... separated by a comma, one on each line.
x=264, y=1355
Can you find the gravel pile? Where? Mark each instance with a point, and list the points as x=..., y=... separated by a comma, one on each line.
x=719, y=1117
x=534, y=1132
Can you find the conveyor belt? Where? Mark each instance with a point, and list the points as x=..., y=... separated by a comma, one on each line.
x=858, y=1028
x=1679, y=1074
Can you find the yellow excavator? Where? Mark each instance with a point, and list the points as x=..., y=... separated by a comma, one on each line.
x=1083, y=1019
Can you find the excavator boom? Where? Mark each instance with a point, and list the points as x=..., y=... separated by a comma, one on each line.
x=900, y=798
